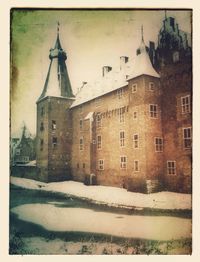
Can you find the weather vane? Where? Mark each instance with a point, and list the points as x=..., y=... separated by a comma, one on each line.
x=58, y=27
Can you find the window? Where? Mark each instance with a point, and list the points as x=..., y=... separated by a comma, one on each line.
x=98, y=121
x=42, y=111
x=135, y=115
x=171, y=167
x=81, y=143
x=185, y=104
x=158, y=144
x=17, y=152
x=122, y=138
x=134, y=88
x=81, y=109
x=83, y=165
x=123, y=162
x=136, y=165
x=187, y=137
x=135, y=140
x=101, y=164
x=81, y=124
x=41, y=144
x=25, y=159
x=153, y=109
x=175, y=57
x=54, y=142
x=99, y=142
x=41, y=126
x=53, y=125
x=121, y=115
x=120, y=93
x=151, y=86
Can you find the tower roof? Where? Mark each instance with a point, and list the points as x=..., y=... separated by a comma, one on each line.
x=143, y=65
x=57, y=82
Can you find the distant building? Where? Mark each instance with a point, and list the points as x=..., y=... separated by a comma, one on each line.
x=132, y=128
x=23, y=149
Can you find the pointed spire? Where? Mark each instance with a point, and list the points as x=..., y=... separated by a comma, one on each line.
x=57, y=44
x=165, y=14
x=142, y=33
x=58, y=28
x=57, y=83
x=142, y=46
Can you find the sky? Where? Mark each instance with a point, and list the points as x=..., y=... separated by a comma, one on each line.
x=91, y=39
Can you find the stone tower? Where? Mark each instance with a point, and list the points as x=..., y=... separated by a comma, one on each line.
x=54, y=132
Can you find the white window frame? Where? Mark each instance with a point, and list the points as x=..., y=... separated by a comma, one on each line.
x=153, y=113
x=122, y=138
x=187, y=140
x=185, y=105
x=134, y=88
x=120, y=93
x=99, y=142
x=81, y=144
x=136, y=141
x=158, y=146
x=136, y=165
x=101, y=164
x=151, y=86
x=123, y=162
x=171, y=167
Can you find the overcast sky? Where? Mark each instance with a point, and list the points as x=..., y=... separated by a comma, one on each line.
x=91, y=39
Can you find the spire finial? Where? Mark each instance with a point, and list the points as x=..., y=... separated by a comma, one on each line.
x=165, y=14
x=58, y=28
x=142, y=33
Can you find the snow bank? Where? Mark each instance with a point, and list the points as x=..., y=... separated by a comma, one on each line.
x=110, y=195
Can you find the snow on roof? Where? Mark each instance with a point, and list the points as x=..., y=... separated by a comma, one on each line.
x=143, y=66
x=114, y=79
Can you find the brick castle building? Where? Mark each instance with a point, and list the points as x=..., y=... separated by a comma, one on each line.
x=131, y=128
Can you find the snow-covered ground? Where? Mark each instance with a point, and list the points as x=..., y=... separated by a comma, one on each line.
x=111, y=196
x=55, y=218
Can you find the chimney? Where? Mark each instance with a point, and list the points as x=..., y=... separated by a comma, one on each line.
x=123, y=61
x=106, y=69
